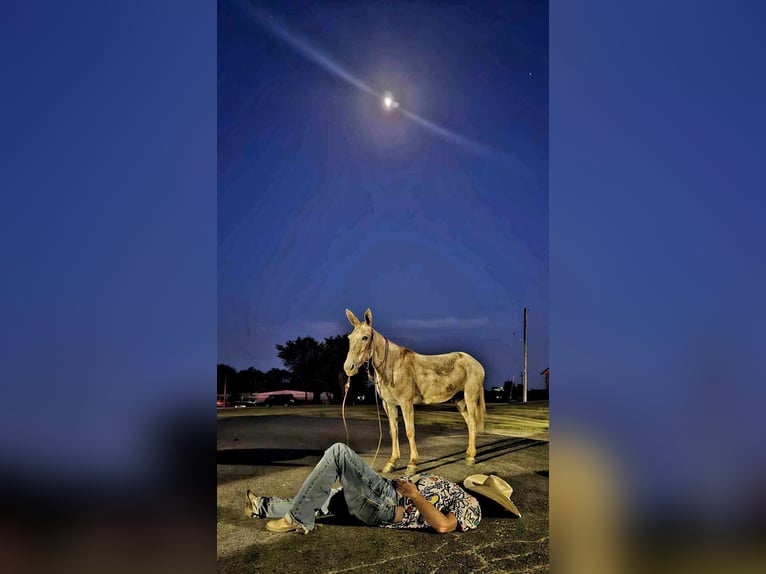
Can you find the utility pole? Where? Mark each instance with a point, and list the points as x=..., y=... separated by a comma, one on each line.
x=524, y=372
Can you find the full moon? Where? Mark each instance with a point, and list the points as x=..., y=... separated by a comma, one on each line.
x=389, y=102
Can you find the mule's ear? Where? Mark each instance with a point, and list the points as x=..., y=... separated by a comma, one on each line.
x=351, y=318
x=368, y=317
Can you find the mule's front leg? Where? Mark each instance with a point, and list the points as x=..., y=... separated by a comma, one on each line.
x=393, y=427
x=408, y=412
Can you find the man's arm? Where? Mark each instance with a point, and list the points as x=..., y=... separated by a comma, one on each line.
x=436, y=519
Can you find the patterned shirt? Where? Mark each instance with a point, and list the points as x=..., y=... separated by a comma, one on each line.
x=446, y=497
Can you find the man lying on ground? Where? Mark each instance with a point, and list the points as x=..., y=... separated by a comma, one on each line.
x=420, y=501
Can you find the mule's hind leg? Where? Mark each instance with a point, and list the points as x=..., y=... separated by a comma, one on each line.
x=470, y=421
x=393, y=427
x=408, y=412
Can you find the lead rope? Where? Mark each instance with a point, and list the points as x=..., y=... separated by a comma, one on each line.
x=380, y=428
x=377, y=409
x=377, y=403
x=343, y=409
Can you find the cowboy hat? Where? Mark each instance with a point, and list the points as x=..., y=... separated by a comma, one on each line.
x=492, y=487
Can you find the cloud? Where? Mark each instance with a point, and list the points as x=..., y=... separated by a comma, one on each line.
x=443, y=323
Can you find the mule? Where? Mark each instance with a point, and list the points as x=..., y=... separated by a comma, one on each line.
x=405, y=378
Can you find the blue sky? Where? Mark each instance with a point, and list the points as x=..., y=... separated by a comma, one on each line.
x=434, y=214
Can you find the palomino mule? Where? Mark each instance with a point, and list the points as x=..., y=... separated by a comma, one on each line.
x=405, y=378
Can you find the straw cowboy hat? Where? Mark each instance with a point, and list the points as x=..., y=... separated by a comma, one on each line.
x=492, y=487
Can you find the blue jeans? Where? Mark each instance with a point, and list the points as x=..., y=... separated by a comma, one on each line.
x=369, y=497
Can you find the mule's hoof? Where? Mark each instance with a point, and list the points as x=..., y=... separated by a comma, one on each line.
x=411, y=469
x=470, y=461
x=389, y=467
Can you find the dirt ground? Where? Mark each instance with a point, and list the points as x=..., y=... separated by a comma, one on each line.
x=271, y=451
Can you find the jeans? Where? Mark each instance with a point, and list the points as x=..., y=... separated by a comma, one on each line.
x=276, y=507
x=369, y=497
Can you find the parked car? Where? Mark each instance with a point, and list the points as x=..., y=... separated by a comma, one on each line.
x=244, y=404
x=279, y=401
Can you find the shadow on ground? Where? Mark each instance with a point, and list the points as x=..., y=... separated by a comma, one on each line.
x=264, y=456
x=484, y=453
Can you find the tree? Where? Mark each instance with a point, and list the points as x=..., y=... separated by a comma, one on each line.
x=276, y=379
x=252, y=379
x=335, y=350
x=303, y=357
x=244, y=382
x=318, y=367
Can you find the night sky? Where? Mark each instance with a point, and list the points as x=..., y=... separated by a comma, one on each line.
x=433, y=214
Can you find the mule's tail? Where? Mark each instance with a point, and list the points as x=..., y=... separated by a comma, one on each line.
x=481, y=411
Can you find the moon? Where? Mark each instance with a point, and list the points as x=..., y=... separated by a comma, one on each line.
x=389, y=102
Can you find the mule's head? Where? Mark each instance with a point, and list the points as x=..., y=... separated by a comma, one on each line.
x=359, y=342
